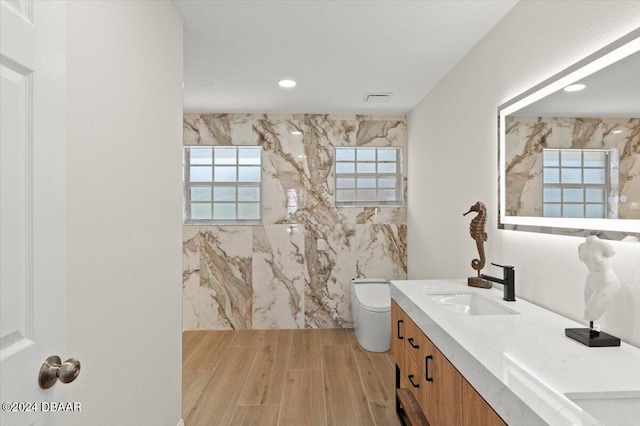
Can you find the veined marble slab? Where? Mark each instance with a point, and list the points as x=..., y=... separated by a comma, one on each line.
x=190, y=278
x=223, y=299
x=280, y=276
x=377, y=132
x=381, y=251
x=327, y=297
x=217, y=129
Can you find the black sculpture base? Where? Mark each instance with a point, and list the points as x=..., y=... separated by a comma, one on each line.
x=478, y=282
x=592, y=338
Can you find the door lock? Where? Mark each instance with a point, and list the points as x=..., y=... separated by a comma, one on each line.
x=53, y=369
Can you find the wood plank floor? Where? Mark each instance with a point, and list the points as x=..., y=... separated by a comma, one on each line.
x=285, y=377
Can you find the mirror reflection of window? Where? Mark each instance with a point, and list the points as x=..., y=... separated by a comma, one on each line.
x=580, y=183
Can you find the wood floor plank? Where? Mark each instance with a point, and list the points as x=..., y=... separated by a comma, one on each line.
x=255, y=415
x=346, y=401
x=209, y=350
x=303, y=399
x=305, y=351
x=376, y=374
x=190, y=341
x=217, y=401
x=192, y=384
x=384, y=413
x=245, y=338
x=335, y=336
x=386, y=368
x=266, y=379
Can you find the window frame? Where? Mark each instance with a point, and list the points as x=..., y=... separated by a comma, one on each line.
x=398, y=175
x=188, y=184
x=605, y=186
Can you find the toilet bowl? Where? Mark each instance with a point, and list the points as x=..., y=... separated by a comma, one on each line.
x=371, y=311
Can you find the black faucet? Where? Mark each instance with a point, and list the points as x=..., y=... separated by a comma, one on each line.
x=508, y=281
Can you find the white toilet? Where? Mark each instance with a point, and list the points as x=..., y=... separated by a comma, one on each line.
x=371, y=311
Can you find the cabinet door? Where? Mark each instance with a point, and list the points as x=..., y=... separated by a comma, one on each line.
x=426, y=366
x=475, y=410
x=398, y=325
x=426, y=353
x=445, y=399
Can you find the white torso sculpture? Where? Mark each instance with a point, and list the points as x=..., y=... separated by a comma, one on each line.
x=602, y=283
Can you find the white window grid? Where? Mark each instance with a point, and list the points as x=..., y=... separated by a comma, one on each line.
x=358, y=176
x=567, y=203
x=236, y=185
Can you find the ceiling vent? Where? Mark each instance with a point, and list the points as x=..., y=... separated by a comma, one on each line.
x=377, y=97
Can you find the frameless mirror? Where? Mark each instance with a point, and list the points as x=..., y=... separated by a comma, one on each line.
x=570, y=149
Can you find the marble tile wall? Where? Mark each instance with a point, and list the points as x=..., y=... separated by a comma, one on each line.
x=273, y=275
x=526, y=136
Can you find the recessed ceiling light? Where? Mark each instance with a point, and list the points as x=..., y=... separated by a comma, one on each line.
x=617, y=131
x=296, y=132
x=287, y=83
x=575, y=87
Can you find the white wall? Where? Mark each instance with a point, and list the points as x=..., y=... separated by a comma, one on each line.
x=124, y=174
x=453, y=162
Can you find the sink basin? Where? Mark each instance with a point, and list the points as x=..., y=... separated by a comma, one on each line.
x=471, y=304
x=611, y=408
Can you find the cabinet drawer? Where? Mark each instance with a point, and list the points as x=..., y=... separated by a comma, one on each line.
x=413, y=378
x=413, y=340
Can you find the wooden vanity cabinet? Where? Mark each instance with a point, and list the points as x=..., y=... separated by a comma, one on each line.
x=443, y=394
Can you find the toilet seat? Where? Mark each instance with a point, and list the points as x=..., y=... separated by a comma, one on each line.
x=373, y=297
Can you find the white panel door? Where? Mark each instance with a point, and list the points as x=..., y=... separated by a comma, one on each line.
x=32, y=199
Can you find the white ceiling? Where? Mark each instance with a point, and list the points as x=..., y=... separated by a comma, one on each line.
x=236, y=51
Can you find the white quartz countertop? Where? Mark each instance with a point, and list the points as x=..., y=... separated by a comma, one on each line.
x=521, y=364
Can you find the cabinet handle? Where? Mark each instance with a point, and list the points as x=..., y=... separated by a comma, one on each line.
x=411, y=380
x=412, y=345
x=399, y=336
x=426, y=368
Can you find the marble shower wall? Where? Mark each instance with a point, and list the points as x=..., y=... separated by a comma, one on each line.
x=274, y=275
x=526, y=136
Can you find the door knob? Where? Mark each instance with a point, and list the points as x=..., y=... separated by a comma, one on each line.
x=53, y=369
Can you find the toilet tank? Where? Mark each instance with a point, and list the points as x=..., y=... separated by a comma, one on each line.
x=371, y=294
x=371, y=310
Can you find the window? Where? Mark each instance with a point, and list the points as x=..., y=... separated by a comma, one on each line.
x=222, y=184
x=368, y=176
x=576, y=182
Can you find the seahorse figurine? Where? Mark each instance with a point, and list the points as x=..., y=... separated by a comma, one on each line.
x=477, y=230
